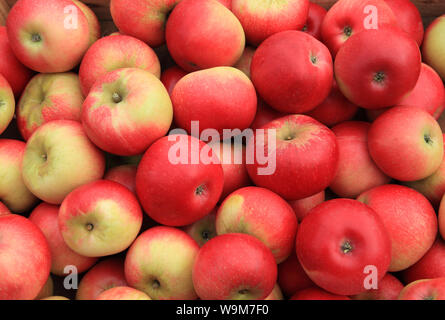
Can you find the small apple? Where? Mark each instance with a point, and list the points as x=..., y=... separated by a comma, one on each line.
x=303, y=206
x=314, y=20
x=122, y=293
x=124, y=174
x=245, y=61
x=264, y=115
x=7, y=104
x=171, y=76
x=433, y=48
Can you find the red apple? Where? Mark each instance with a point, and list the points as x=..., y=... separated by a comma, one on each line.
x=245, y=61
x=7, y=104
x=303, y=206
x=171, y=76
x=408, y=18
x=292, y=277
x=234, y=267
x=314, y=20
x=315, y=293
x=442, y=219
x=433, y=48
x=264, y=115
x=388, y=289
x=125, y=175
x=122, y=293
x=427, y=289
x=204, y=229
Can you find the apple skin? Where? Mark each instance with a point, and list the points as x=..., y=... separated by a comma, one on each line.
x=346, y=18
x=262, y=214
x=303, y=206
x=276, y=294
x=406, y=143
x=293, y=83
x=7, y=104
x=203, y=230
x=107, y=274
x=430, y=266
x=142, y=19
x=160, y=264
x=292, y=277
x=202, y=34
x=314, y=20
x=122, y=293
x=349, y=236
x=171, y=76
x=306, y=157
x=93, y=22
x=141, y=114
x=4, y=210
x=398, y=207
x=49, y=97
x=63, y=144
x=264, y=115
x=100, y=218
x=213, y=97
x=357, y=172
x=124, y=174
x=45, y=216
x=315, y=293
x=426, y=289
x=388, y=289
x=47, y=290
x=433, y=47
x=189, y=191
x=25, y=260
x=408, y=18
x=360, y=61
x=50, y=51
x=222, y=273
x=260, y=20
x=245, y=61
x=442, y=219
x=115, y=52
x=13, y=191
x=59, y=298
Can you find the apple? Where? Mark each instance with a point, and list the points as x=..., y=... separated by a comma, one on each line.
x=116, y=52
x=408, y=18
x=305, y=154
x=49, y=97
x=388, y=289
x=47, y=290
x=409, y=219
x=357, y=172
x=442, y=219
x=261, y=19
x=7, y=104
x=45, y=216
x=303, y=206
x=377, y=68
x=406, y=143
x=292, y=83
x=314, y=20
x=234, y=267
x=349, y=17
x=426, y=289
x=124, y=174
x=264, y=115
x=262, y=214
x=44, y=38
x=12, y=69
x=202, y=34
x=292, y=277
x=276, y=294
x=4, y=210
x=25, y=258
x=56, y=298
x=107, y=274
x=433, y=47
x=245, y=61
x=13, y=191
x=122, y=293
x=315, y=293
x=337, y=240
x=204, y=229
x=100, y=218
x=160, y=264
x=171, y=76
x=93, y=22
x=178, y=191
x=59, y=158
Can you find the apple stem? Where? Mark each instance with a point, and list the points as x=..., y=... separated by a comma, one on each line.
x=35, y=37
x=116, y=97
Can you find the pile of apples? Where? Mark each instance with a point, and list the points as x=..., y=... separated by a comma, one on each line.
x=125, y=182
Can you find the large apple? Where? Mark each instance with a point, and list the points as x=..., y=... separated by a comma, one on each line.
x=388, y=289
x=261, y=19
x=171, y=76
x=292, y=277
x=314, y=20
x=203, y=34
x=7, y=104
x=204, y=229
x=426, y=289
x=58, y=158
x=49, y=97
x=44, y=37
x=303, y=206
x=409, y=219
x=286, y=78
x=25, y=259
x=123, y=174
x=122, y=293
x=160, y=264
x=433, y=48
x=234, y=267
x=315, y=293
x=408, y=18
x=337, y=240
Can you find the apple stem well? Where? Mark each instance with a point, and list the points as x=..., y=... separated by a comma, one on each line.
x=200, y=190
x=346, y=247
x=155, y=284
x=347, y=31
x=90, y=226
x=35, y=37
x=379, y=77
x=428, y=139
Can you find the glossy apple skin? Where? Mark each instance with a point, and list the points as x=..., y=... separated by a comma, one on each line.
x=303, y=206
x=53, y=53
x=115, y=52
x=203, y=230
x=408, y=18
x=13, y=191
x=105, y=275
x=430, y=266
x=388, y=289
x=329, y=231
x=264, y=115
x=359, y=64
x=426, y=289
x=64, y=144
x=305, y=165
x=234, y=267
x=160, y=263
x=49, y=97
x=314, y=20
x=350, y=13
x=213, y=97
x=203, y=34
x=45, y=216
x=25, y=259
x=262, y=214
x=171, y=76
x=398, y=207
x=189, y=191
x=260, y=20
x=315, y=293
x=292, y=277
x=7, y=104
x=433, y=47
x=245, y=61
x=357, y=172
x=293, y=83
x=125, y=175
x=122, y=293
x=142, y=114
x=406, y=143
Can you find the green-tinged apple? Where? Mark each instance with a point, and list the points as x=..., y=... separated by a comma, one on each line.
x=7, y=104
x=204, y=229
x=123, y=293
x=433, y=48
x=124, y=174
x=425, y=289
